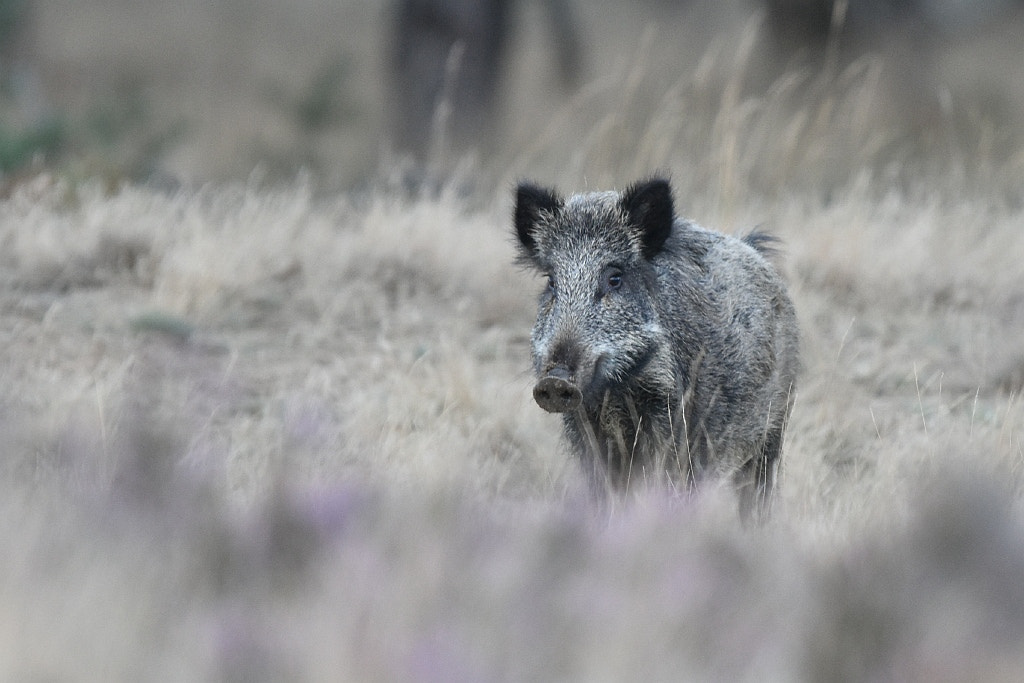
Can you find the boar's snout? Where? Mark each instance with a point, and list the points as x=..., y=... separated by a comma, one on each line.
x=556, y=393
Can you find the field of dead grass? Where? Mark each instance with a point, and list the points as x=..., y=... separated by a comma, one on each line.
x=266, y=431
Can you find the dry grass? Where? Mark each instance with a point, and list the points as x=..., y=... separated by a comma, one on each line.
x=269, y=432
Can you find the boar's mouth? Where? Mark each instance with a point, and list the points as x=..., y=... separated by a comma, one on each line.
x=562, y=391
x=556, y=392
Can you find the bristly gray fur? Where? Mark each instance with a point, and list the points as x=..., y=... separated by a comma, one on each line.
x=668, y=348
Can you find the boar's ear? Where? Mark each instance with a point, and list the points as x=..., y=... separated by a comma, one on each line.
x=648, y=206
x=531, y=201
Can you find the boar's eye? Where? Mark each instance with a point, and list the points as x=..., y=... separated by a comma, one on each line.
x=551, y=283
x=611, y=280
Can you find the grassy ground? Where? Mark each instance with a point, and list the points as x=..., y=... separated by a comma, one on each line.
x=277, y=431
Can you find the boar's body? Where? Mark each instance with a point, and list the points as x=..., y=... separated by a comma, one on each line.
x=669, y=349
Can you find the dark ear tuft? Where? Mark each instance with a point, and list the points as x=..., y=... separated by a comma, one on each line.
x=531, y=200
x=648, y=206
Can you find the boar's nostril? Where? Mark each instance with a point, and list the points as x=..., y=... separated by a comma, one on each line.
x=556, y=394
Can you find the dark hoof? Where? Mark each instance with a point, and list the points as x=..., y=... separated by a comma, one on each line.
x=556, y=394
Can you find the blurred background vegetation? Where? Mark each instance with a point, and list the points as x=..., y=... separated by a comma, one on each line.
x=769, y=94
